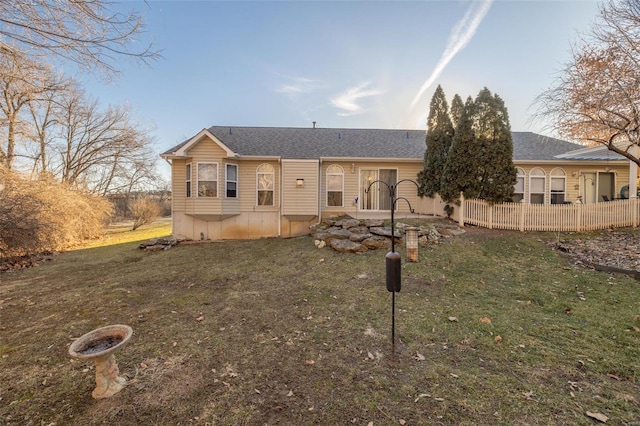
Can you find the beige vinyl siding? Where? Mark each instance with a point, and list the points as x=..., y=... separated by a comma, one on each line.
x=300, y=201
x=247, y=186
x=572, y=174
x=178, y=184
x=405, y=170
x=230, y=206
x=350, y=190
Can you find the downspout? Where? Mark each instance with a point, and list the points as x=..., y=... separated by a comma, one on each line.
x=281, y=196
x=319, y=191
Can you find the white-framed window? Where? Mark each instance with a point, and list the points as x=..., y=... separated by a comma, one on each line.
x=207, y=180
x=188, y=179
x=265, y=184
x=231, y=181
x=558, y=186
x=518, y=191
x=537, y=184
x=335, y=186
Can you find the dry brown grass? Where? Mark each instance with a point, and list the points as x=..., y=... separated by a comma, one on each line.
x=295, y=335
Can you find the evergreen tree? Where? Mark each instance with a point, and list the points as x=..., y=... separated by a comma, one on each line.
x=480, y=162
x=456, y=109
x=463, y=160
x=438, y=140
x=496, y=174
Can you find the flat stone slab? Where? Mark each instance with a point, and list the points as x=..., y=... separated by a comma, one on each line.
x=347, y=246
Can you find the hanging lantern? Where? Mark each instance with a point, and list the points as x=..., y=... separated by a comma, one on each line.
x=411, y=238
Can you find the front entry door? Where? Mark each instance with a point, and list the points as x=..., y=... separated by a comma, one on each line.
x=588, y=183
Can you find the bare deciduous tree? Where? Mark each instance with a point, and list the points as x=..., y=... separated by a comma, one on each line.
x=91, y=33
x=44, y=117
x=102, y=151
x=21, y=81
x=596, y=98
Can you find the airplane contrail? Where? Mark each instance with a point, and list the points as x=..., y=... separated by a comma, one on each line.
x=461, y=34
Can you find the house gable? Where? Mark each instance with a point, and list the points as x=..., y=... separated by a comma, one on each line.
x=181, y=150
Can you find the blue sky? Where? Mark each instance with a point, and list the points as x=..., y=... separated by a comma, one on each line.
x=348, y=64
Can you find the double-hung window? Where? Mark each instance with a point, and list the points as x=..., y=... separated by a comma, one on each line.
x=557, y=186
x=518, y=192
x=232, y=181
x=207, y=179
x=335, y=186
x=537, y=184
x=188, y=179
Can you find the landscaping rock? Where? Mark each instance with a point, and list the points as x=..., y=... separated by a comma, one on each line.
x=358, y=238
x=450, y=232
x=337, y=233
x=157, y=244
x=384, y=232
x=347, y=246
x=376, y=242
x=359, y=230
x=349, y=235
x=350, y=223
x=373, y=222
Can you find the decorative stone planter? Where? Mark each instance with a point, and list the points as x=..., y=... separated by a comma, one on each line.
x=98, y=345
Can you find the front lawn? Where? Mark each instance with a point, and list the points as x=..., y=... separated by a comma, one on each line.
x=491, y=328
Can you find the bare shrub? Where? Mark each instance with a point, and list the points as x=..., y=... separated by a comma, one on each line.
x=42, y=215
x=144, y=210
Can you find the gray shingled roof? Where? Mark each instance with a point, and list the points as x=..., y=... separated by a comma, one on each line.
x=310, y=143
x=601, y=153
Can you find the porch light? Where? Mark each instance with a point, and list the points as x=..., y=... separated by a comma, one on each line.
x=299, y=183
x=411, y=238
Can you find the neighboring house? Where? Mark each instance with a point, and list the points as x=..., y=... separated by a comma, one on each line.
x=253, y=182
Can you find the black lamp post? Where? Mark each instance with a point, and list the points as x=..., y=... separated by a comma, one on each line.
x=393, y=260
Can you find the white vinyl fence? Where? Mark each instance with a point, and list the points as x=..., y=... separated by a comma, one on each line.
x=550, y=217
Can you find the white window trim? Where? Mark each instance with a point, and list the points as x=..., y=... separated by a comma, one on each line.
x=273, y=173
x=361, y=189
x=562, y=177
x=341, y=174
x=535, y=176
x=520, y=173
x=226, y=180
x=188, y=179
x=217, y=181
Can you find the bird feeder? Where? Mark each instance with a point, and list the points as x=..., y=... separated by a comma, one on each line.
x=411, y=238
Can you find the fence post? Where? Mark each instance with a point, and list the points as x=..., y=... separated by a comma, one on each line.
x=634, y=213
x=578, y=208
x=522, y=207
x=461, y=217
x=490, y=206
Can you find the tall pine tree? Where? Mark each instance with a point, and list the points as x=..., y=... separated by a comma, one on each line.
x=480, y=162
x=497, y=174
x=463, y=159
x=456, y=109
x=438, y=140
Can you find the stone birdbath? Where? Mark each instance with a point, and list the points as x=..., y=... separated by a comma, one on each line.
x=99, y=345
